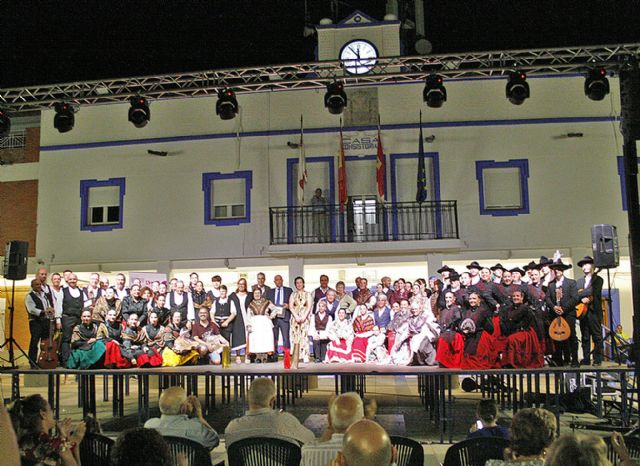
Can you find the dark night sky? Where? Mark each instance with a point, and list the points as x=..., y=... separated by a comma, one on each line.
x=63, y=41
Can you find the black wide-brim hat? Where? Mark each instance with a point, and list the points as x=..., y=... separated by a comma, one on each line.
x=444, y=268
x=533, y=265
x=454, y=276
x=544, y=260
x=474, y=265
x=559, y=265
x=498, y=266
x=517, y=269
x=585, y=260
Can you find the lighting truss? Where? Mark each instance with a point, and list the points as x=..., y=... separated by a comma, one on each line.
x=319, y=74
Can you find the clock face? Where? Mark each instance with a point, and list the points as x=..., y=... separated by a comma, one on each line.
x=359, y=56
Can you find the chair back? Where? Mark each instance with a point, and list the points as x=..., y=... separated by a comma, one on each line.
x=409, y=452
x=263, y=451
x=633, y=445
x=475, y=451
x=95, y=449
x=196, y=453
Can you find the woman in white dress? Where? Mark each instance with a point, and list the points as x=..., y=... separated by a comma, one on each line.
x=260, y=315
x=341, y=335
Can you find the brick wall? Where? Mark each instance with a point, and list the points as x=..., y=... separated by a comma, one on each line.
x=19, y=212
x=27, y=154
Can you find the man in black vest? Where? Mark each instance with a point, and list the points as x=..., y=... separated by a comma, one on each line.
x=563, y=303
x=279, y=295
x=71, y=309
x=40, y=311
x=590, y=293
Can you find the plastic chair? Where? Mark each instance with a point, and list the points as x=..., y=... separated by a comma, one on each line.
x=197, y=455
x=95, y=449
x=263, y=451
x=410, y=452
x=475, y=451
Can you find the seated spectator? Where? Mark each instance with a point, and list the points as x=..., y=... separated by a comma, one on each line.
x=532, y=431
x=487, y=413
x=262, y=420
x=586, y=450
x=181, y=416
x=142, y=447
x=344, y=410
x=33, y=422
x=365, y=443
x=8, y=440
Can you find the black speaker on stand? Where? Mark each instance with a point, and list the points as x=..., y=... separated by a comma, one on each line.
x=15, y=268
x=606, y=255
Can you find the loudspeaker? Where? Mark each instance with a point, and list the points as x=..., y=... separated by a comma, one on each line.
x=630, y=101
x=15, y=260
x=604, y=240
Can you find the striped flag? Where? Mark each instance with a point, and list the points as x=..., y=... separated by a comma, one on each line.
x=421, y=194
x=342, y=175
x=381, y=169
x=302, y=168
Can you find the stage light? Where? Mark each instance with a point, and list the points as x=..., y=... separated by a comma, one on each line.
x=65, y=118
x=335, y=99
x=434, y=93
x=517, y=88
x=227, y=104
x=596, y=85
x=5, y=123
x=139, y=112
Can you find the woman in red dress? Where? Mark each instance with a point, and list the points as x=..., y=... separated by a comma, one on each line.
x=363, y=326
x=517, y=324
x=477, y=329
x=450, y=342
x=113, y=357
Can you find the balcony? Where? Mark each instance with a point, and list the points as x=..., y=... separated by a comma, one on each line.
x=364, y=220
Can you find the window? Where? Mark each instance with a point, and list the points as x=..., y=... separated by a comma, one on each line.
x=503, y=187
x=102, y=204
x=227, y=198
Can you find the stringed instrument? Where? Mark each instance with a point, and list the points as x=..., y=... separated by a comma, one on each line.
x=582, y=308
x=48, y=358
x=559, y=329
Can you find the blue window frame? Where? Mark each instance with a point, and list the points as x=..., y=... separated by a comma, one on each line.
x=102, y=204
x=227, y=198
x=498, y=183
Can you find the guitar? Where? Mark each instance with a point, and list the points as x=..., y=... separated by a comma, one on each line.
x=582, y=308
x=559, y=329
x=48, y=358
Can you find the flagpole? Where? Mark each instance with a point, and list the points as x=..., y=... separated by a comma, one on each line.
x=302, y=208
x=421, y=155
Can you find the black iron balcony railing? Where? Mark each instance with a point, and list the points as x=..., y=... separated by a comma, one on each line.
x=362, y=221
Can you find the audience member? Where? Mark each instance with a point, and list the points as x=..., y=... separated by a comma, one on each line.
x=181, y=416
x=365, y=443
x=487, y=414
x=143, y=447
x=8, y=440
x=33, y=422
x=344, y=410
x=586, y=450
x=262, y=420
x=532, y=431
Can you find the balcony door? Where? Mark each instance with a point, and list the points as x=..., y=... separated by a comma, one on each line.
x=363, y=218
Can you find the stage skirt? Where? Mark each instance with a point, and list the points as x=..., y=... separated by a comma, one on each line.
x=261, y=335
x=146, y=360
x=499, y=340
x=172, y=359
x=450, y=354
x=113, y=358
x=484, y=357
x=359, y=349
x=84, y=359
x=340, y=352
x=524, y=350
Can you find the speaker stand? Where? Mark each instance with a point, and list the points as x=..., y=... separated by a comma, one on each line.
x=11, y=342
x=611, y=335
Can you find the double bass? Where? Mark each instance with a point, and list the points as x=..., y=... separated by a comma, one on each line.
x=48, y=358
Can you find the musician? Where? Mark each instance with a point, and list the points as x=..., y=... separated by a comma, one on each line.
x=498, y=270
x=536, y=297
x=474, y=272
x=590, y=293
x=180, y=300
x=517, y=325
x=93, y=290
x=70, y=308
x=120, y=288
x=477, y=328
x=39, y=308
x=445, y=273
x=41, y=275
x=56, y=293
x=546, y=276
x=450, y=343
x=562, y=297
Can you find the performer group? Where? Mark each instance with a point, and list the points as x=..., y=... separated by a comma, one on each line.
x=477, y=318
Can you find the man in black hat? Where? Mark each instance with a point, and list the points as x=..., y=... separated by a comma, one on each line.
x=563, y=303
x=454, y=287
x=590, y=293
x=445, y=272
x=545, y=272
x=474, y=271
x=497, y=270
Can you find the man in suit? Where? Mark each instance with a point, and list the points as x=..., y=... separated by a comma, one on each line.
x=565, y=351
x=590, y=293
x=279, y=295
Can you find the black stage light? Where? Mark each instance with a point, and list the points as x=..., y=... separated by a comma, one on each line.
x=517, y=88
x=335, y=99
x=139, y=112
x=65, y=118
x=596, y=85
x=5, y=123
x=434, y=93
x=227, y=104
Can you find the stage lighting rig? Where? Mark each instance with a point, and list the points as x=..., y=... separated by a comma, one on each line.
x=227, y=104
x=139, y=112
x=596, y=85
x=5, y=123
x=65, y=118
x=517, y=89
x=335, y=98
x=434, y=93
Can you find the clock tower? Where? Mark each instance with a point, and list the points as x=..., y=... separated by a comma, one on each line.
x=359, y=40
